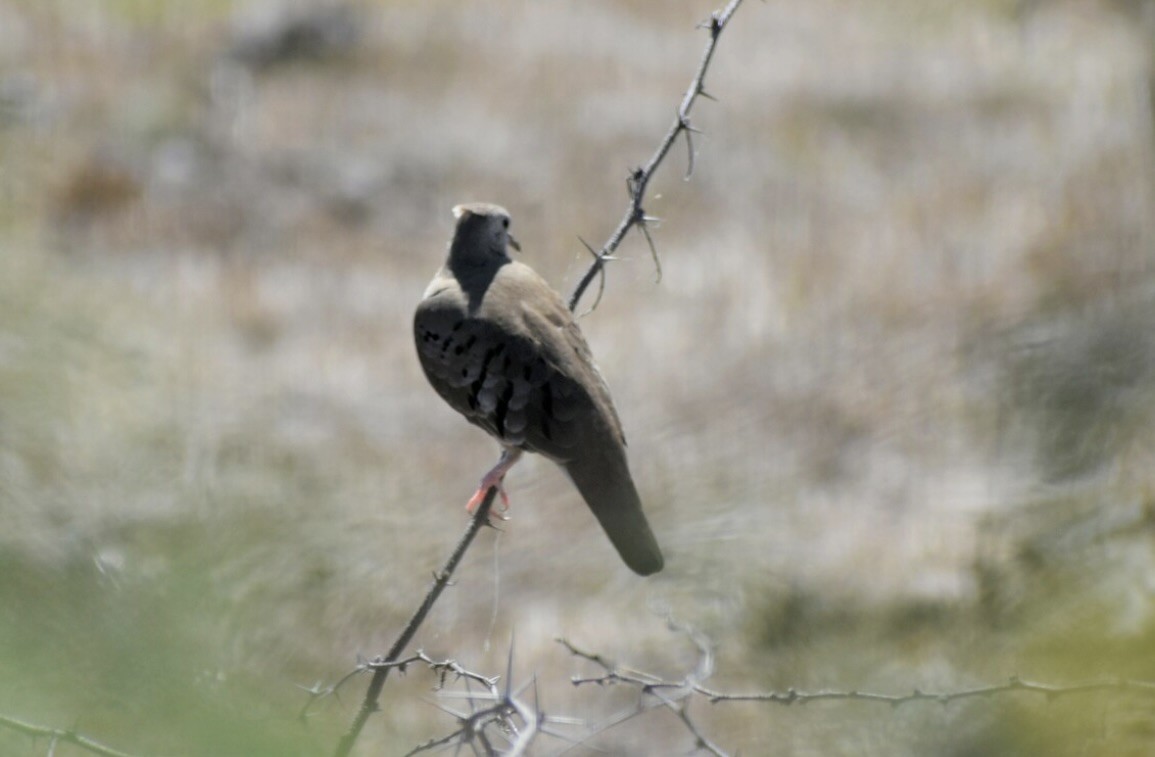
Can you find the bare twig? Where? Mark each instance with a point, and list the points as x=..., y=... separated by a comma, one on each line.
x=433, y=744
x=1051, y=691
x=700, y=740
x=601, y=279
x=57, y=735
x=676, y=695
x=639, y=178
x=443, y=669
x=505, y=717
x=380, y=666
x=656, y=692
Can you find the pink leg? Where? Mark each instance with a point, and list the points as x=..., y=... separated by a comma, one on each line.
x=508, y=458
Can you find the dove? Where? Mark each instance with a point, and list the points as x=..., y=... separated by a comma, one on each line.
x=500, y=346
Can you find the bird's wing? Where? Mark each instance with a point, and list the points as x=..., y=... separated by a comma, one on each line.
x=517, y=365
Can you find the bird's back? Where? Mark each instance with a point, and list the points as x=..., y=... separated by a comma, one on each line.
x=501, y=347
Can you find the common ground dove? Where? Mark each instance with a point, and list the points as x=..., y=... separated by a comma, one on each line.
x=501, y=347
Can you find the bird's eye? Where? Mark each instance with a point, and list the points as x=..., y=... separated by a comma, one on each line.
x=505, y=222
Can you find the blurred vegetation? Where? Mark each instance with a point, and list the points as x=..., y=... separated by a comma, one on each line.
x=890, y=408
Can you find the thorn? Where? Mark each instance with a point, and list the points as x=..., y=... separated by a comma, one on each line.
x=710, y=23
x=703, y=93
x=634, y=182
x=589, y=247
x=601, y=286
x=600, y=259
x=509, y=664
x=653, y=252
x=689, y=155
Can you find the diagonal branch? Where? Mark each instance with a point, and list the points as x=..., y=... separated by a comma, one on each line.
x=635, y=216
x=639, y=179
x=381, y=666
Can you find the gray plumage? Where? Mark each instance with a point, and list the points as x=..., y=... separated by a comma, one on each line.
x=501, y=347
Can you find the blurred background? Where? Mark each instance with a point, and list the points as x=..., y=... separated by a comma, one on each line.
x=890, y=407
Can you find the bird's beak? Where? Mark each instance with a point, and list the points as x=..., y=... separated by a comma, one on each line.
x=513, y=243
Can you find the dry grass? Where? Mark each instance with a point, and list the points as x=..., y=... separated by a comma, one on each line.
x=890, y=407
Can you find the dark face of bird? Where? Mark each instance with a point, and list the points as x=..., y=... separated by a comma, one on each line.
x=482, y=236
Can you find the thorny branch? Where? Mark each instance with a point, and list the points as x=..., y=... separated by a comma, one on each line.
x=656, y=691
x=1014, y=683
x=639, y=178
x=503, y=715
x=635, y=216
x=506, y=718
x=674, y=696
x=443, y=669
x=381, y=666
x=59, y=735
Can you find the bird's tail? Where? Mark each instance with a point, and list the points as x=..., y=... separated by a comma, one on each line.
x=605, y=484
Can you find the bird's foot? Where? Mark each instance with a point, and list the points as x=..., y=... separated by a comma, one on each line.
x=479, y=496
x=493, y=479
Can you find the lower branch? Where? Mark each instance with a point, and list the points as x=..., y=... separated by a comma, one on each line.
x=57, y=735
x=381, y=666
x=676, y=694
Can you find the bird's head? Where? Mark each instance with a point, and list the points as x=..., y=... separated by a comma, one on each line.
x=482, y=235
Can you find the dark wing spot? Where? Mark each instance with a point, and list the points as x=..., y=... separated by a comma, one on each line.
x=459, y=349
x=475, y=387
x=502, y=408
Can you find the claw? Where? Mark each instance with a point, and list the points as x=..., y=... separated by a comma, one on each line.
x=493, y=479
x=479, y=496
